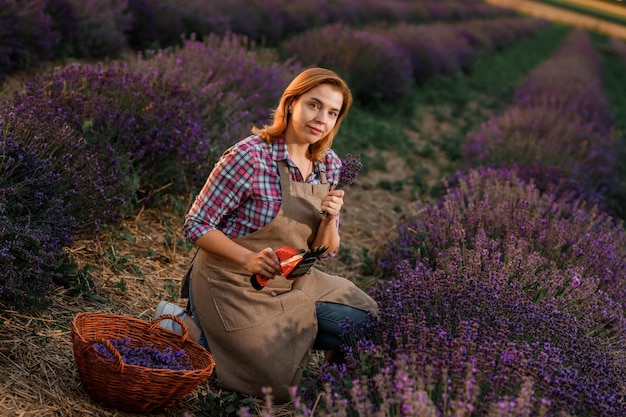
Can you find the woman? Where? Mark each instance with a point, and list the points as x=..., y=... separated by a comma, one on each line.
x=267, y=191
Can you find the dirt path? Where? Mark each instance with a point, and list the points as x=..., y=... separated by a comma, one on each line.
x=602, y=5
x=557, y=14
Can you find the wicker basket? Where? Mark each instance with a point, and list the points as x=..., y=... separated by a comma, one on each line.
x=132, y=388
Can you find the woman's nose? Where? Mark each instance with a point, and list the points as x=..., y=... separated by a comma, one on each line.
x=322, y=117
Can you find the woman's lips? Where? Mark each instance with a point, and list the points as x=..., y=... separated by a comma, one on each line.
x=315, y=130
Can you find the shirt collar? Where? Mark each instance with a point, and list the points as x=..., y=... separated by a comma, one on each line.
x=279, y=152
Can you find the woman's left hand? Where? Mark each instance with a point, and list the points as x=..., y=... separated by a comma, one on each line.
x=332, y=202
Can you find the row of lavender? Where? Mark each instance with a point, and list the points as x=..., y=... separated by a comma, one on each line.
x=36, y=30
x=384, y=62
x=115, y=135
x=507, y=297
x=558, y=126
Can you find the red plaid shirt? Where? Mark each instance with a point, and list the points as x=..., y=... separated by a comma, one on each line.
x=242, y=193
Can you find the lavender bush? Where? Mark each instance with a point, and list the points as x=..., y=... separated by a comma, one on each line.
x=65, y=23
x=233, y=85
x=570, y=81
x=27, y=35
x=261, y=21
x=374, y=66
x=303, y=15
x=141, y=133
x=530, y=135
x=434, y=48
x=553, y=248
x=552, y=180
x=102, y=27
x=158, y=24
x=35, y=224
x=458, y=342
x=154, y=24
x=92, y=176
x=199, y=17
x=498, y=304
x=560, y=117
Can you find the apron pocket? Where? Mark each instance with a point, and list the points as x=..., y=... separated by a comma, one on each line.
x=246, y=309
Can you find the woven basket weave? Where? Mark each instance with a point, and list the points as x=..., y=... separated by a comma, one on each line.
x=132, y=388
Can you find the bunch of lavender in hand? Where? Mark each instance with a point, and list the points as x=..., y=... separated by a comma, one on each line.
x=350, y=168
x=147, y=355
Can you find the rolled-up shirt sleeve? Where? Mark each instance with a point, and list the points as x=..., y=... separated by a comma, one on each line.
x=228, y=184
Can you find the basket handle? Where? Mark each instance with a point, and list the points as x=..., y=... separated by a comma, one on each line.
x=183, y=326
x=119, y=361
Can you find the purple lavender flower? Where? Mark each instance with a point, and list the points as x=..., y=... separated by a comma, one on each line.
x=147, y=355
x=35, y=222
x=350, y=168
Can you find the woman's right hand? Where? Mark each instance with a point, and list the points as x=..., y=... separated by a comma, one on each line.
x=264, y=263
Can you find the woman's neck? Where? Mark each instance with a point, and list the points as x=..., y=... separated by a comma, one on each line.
x=297, y=152
x=304, y=164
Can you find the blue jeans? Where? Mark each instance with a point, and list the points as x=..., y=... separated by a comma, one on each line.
x=329, y=319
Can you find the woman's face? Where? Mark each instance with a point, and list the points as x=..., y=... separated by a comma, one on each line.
x=313, y=115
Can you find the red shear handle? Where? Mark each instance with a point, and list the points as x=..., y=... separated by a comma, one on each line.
x=286, y=253
x=258, y=281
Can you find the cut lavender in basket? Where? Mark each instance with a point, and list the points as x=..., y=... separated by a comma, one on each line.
x=350, y=167
x=147, y=355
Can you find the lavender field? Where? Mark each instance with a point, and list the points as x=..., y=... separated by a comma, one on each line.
x=497, y=139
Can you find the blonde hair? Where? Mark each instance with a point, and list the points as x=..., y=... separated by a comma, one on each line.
x=303, y=82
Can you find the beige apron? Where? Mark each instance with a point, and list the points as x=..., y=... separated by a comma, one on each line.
x=264, y=338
